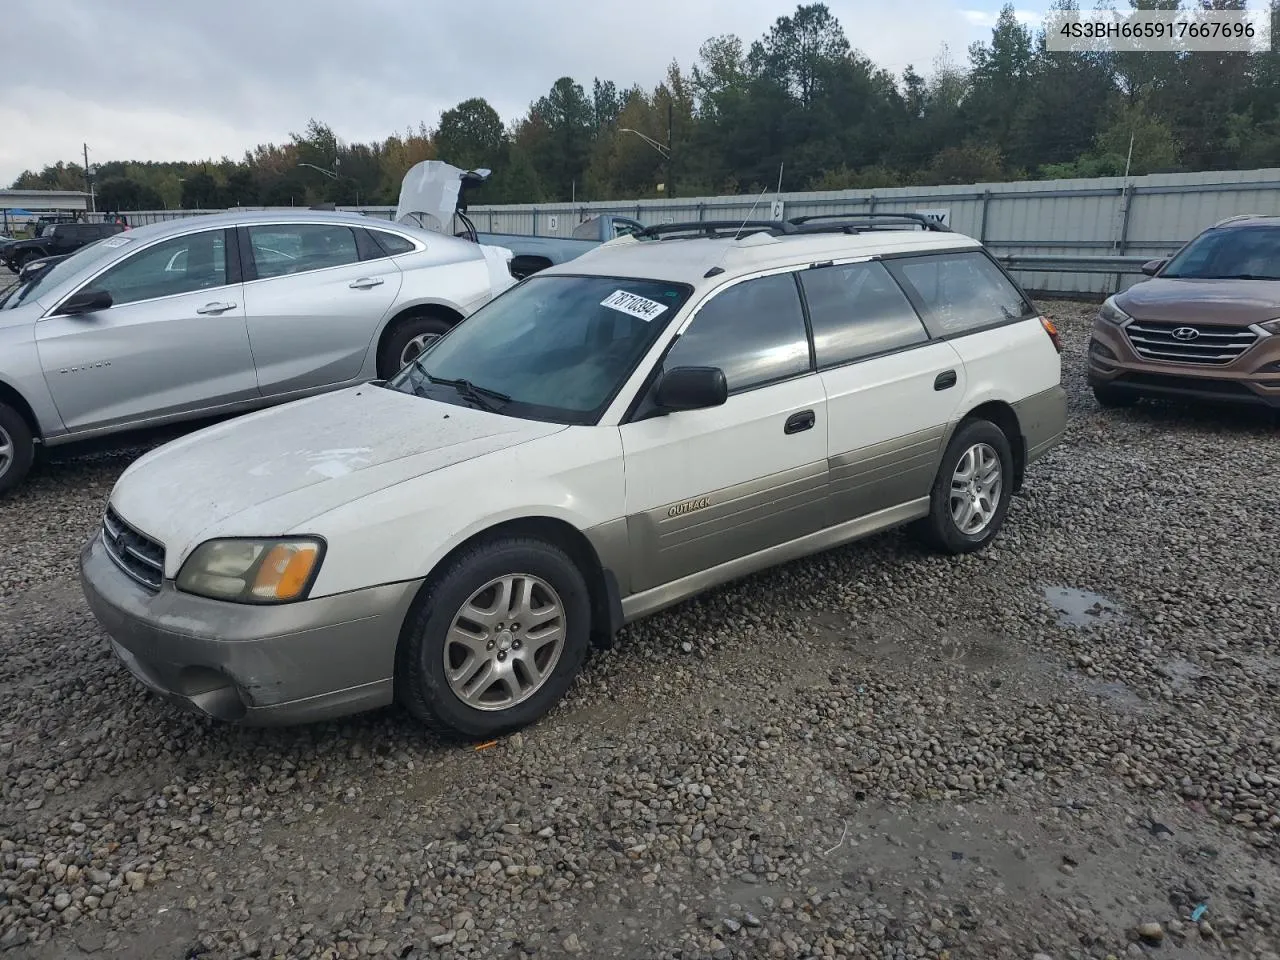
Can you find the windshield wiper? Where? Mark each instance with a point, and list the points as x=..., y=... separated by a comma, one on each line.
x=482, y=397
x=1245, y=276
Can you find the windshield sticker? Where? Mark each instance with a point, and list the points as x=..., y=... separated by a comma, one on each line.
x=634, y=305
x=116, y=241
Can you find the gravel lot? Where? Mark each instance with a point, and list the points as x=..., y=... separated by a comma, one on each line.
x=876, y=752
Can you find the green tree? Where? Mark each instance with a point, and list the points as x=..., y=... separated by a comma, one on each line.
x=471, y=135
x=560, y=138
x=123, y=193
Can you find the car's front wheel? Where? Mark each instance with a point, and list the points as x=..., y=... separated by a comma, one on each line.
x=970, y=495
x=17, y=450
x=498, y=638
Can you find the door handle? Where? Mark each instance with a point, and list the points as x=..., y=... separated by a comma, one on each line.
x=944, y=380
x=798, y=422
x=364, y=283
x=216, y=308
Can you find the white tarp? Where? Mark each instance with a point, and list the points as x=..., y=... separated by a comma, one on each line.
x=429, y=195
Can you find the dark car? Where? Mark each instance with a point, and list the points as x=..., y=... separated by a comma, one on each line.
x=54, y=240
x=1206, y=326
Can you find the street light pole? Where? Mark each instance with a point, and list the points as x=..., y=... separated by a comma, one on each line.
x=664, y=151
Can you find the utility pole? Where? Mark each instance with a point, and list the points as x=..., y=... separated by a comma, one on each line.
x=671, y=143
x=88, y=180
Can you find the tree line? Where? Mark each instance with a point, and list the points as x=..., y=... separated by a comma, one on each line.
x=801, y=99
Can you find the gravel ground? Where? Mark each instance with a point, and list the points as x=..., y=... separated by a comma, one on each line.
x=1066, y=747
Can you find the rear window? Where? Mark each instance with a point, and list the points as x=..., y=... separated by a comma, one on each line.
x=961, y=292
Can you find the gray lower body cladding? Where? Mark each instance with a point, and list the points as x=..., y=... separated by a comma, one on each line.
x=259, y=665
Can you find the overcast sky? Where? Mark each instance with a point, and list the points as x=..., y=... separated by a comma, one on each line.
x=166, y=80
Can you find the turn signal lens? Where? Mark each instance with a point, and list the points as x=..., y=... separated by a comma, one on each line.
x=285, y=570
x=1052, y=331
x=252, y=571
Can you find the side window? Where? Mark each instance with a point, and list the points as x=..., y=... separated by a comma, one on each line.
x=961, y=291
x=754, y=331
x=197, y=261
x=857, y=310
x=282, y=249
x=393, y=243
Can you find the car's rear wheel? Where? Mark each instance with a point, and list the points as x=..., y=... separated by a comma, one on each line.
x=17, y=449
x=970, y=495
x=407, y=339
x=1111, y=398
x=498, y=638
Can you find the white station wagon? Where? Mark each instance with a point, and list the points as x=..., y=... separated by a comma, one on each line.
x=659, y=416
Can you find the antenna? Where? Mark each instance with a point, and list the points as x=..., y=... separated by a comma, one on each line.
x=751, y=211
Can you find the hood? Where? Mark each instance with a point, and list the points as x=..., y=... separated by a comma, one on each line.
x=266, y=473
x=1235, y=303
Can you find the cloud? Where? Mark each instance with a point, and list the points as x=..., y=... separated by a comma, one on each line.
x=154, y=79
x=986, y=19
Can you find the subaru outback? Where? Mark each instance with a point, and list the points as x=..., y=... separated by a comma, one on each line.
x=666, y=413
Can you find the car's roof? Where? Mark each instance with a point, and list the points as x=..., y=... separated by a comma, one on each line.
x=152, y=231
x=689, y=260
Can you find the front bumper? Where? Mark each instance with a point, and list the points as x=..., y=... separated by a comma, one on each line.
x=1253, y=379
x=256, y=665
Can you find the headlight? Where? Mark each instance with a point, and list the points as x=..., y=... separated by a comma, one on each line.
x=1271, y=326
x=1111, y=313
x=252, y=571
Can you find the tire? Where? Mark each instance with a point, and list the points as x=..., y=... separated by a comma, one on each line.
x=25, y=258
x=17, y=449
x=1111, y=398
x=427, y=642
x=396, y=350
x=940, y=528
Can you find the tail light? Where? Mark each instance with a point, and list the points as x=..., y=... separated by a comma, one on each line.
x=1052, y=331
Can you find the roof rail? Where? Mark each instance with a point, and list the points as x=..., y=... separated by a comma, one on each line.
x=1239, y=216
x=807, y=224
x=714, y=228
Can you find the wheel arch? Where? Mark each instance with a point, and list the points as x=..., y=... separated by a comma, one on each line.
x=1002, y=414
x=602, y=586
x=444, y=311
x=10, y=396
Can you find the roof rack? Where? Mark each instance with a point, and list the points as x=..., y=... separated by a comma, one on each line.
x=713, y=228
x=802, y=224
x=816, y=223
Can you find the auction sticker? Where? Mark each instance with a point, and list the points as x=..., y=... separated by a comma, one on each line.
x=634, y=305
x=116, y=241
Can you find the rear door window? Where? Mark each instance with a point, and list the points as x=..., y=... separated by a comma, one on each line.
x=283, y=249
x=960, y=292
x=858, y=311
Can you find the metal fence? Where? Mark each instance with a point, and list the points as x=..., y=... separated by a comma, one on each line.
x=1051, y=233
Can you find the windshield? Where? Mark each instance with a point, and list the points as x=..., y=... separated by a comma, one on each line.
x=1238, y=253
x=48, y=279
x=554, y=348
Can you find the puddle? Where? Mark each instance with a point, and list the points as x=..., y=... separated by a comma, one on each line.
x=1080, y=608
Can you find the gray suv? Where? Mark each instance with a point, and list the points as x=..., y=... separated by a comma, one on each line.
x=222, y=314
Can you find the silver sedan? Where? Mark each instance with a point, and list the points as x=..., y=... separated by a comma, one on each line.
x=222, y=314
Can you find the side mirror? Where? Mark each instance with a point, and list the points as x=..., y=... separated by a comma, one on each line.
x=86, y=301
x=692, y=388
x=1152, y=267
